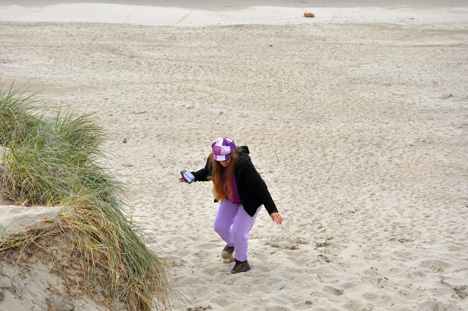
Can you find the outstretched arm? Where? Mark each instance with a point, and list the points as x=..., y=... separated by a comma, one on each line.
x=201, y=175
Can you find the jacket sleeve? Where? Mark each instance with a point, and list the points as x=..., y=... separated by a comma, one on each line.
x=204, y=173
x=258, y=188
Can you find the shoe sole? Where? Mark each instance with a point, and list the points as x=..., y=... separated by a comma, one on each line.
x=226, y=255
x=228, y=260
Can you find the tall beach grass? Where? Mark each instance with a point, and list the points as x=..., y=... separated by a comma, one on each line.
x=54, y=158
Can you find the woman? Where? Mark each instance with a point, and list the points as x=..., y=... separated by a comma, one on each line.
x=241, y=192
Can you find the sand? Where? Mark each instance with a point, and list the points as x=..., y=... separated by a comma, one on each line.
x=357, y=119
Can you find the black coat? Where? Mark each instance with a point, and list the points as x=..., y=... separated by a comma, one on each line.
x=253, y=191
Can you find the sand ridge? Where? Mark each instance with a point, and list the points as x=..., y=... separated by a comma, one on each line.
x=234, y=13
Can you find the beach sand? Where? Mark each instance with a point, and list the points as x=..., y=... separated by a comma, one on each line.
x=357, y=120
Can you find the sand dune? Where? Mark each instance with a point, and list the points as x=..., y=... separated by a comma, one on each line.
x=357, y=120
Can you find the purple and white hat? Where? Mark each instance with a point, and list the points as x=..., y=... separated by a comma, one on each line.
x=223, y=148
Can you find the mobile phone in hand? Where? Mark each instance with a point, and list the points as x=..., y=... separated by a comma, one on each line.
x=187, y=176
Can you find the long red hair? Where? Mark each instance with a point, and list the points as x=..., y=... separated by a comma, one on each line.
x=219, y=184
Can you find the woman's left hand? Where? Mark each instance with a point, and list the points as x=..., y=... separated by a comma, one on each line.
x=276, y=217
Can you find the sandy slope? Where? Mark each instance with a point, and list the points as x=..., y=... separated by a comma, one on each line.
x=359, y=129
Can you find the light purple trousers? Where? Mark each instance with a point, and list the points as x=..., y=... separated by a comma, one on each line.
x=233, y=225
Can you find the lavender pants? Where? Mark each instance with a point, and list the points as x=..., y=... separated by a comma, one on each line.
x=233, y=224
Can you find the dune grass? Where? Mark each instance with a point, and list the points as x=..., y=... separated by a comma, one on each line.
x=54, y=158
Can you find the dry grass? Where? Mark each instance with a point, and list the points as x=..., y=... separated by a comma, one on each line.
x=53, y=158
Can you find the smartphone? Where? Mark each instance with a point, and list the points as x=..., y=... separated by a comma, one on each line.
x=187, y=176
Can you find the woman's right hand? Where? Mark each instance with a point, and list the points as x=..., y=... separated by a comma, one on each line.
x=182, y=180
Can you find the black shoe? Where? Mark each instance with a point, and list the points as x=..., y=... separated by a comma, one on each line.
x=227, y=253
x=240, y=266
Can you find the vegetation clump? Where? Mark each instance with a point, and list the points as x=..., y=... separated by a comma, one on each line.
x=54, y=158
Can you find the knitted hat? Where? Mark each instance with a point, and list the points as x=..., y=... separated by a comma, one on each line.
x=223, y=148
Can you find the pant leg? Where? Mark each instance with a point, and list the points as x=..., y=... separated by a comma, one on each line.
x=243, y=223
x=225, y=217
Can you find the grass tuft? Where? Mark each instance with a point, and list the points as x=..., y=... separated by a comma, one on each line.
x=54, y=158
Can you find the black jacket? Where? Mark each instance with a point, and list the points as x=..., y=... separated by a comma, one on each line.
x=253, y=191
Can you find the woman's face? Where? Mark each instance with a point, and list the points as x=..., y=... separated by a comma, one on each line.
x=225, y=163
